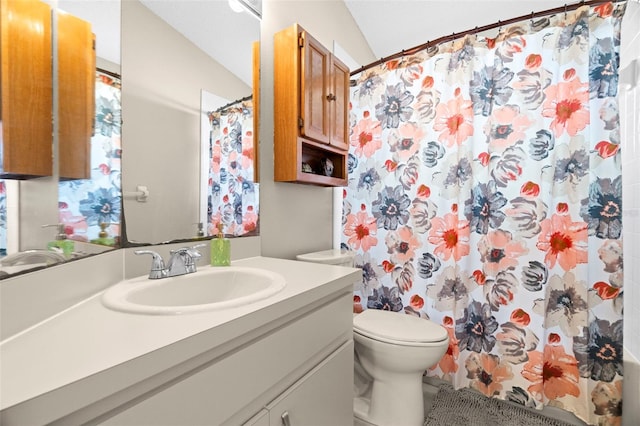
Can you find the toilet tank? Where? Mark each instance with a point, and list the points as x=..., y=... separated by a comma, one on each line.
x=339, y=257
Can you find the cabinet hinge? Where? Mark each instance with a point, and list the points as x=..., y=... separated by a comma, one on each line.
x=300, y=40
x=300, y=122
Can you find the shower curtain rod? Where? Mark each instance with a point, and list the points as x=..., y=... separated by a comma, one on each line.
x=109, y=73
x=237, y=101
x=476, y=30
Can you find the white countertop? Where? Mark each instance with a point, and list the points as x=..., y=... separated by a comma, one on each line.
x=90, y=351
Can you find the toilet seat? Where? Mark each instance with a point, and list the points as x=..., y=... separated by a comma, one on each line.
x=397, y=328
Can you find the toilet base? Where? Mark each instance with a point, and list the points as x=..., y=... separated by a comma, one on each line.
x=360, y=422
x=360, y=410
x=395, y=404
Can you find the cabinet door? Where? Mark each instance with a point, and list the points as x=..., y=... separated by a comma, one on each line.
x=26, y=119
x=339, y=103
x=314, y=85
x=324, y=396
x=76, y=91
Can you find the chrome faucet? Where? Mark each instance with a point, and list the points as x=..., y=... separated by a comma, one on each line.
x=181, y=262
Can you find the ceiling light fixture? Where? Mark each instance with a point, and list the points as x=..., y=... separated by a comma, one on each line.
x=236, y=6
x=253, y=7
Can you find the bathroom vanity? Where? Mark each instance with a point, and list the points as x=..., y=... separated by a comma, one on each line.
x=284, y=360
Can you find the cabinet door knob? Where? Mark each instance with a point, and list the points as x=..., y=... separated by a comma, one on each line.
x=285, y=419
x=331, y=97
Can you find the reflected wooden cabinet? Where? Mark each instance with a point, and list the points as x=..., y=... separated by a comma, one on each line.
x=26, y=81
x=26, y=89
x=255, y=54
x=311, y=88
x=76, y=96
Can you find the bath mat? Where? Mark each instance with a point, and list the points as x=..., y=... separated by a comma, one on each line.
x=466, y=407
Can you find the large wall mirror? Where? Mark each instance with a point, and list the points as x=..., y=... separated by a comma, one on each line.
x=72, y=196
x=175, y=55
x=163, y=57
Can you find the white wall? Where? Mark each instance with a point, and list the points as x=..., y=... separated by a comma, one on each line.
x=162, y=78
x=630, y=146
x=295, y=218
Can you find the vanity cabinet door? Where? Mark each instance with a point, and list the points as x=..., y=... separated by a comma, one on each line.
x=324, y=396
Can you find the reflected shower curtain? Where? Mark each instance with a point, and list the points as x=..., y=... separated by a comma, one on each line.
x=485, y=194
x=83, y=204
x=232, y=195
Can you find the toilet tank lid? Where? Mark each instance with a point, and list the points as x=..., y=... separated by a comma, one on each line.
x=375, y=323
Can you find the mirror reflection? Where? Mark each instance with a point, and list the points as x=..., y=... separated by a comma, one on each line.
x=228, y=186
x=189, y=47
x=164, y=125
x=40, y=225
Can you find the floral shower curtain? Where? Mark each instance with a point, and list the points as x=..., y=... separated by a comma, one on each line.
x=84, y=204
x=485, y=195
x=232, y=194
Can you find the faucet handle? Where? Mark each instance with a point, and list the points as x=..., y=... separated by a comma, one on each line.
x=193, y=255
x=194, y=252
x=157, y=264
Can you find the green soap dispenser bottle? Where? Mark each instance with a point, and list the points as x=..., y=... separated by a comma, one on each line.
x=103, y=236
x=61, y=243
x=220, y=249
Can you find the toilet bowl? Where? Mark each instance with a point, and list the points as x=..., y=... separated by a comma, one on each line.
x=392, y=350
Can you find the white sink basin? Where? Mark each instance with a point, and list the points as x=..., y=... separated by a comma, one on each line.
x=211, y=288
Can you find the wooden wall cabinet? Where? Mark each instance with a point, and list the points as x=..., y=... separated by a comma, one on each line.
x=26, y=89
x=311, y=102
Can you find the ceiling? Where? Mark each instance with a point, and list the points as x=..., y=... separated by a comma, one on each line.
x=388, y=25
x=225, y=35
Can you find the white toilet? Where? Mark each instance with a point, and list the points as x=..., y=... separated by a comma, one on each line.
x=338, y=257
x=392, y=350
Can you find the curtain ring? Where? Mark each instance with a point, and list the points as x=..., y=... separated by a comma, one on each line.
x=532, y=18
x=565, y=11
